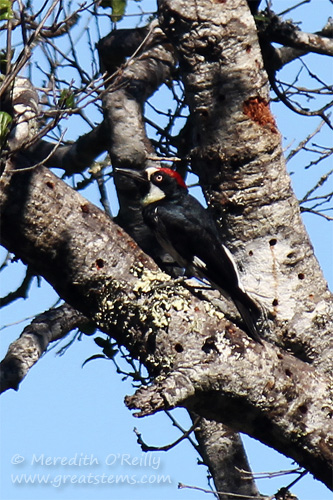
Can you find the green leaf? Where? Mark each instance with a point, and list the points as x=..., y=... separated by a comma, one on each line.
x=5, y=10
x=5, y=120
x=118, y=8
x=67, y=99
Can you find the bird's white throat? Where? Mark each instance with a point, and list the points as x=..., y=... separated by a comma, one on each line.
x=155, y=194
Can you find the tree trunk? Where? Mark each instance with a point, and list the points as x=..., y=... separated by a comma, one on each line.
x=279, y=394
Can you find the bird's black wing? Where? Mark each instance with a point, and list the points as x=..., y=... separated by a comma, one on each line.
x=189, y=234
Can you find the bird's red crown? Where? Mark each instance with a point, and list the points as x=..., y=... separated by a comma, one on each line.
x=175, y=175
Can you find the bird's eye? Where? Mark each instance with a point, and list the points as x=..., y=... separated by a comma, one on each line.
x=159, y=178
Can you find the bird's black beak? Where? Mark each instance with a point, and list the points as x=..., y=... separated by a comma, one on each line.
x=138, y=175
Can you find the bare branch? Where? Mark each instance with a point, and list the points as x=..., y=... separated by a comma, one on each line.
x=298, y=109
x=227, y=494
x=321, y=181
x=167, y=447
x=21, y=292
x=305, y=141
x=307, y=42
x=277, y=57
x=223, y=452
x=73, y=158
x=34, y=340
x=273, y=29
x=26, y=51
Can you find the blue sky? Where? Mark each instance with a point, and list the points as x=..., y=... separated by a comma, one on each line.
x=78, y=414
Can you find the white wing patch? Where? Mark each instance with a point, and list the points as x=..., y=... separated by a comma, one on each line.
x=229, y=254
x=198, y=263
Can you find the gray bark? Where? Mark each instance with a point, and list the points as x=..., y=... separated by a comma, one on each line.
x=223, y=452
x=24, y=352
x=199, y=360
x=238, y=156
x=114, y=284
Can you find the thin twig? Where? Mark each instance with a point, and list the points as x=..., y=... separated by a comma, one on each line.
x=321, y=181
x=53, y=150
x=26, y=51
x=227, y=493
x=167, y=447
x=305, y=141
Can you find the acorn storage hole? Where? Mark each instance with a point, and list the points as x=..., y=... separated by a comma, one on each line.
x=179, y=348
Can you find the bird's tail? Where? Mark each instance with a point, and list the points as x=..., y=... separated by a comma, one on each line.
x=250, y=314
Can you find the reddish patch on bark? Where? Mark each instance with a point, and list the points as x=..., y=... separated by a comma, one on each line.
x=85, y=208
x=219, y=1
x=50, y=184
x=257, y=109
x=132, y=244
x=248, y=48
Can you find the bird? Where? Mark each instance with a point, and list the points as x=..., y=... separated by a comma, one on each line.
x=186, y=230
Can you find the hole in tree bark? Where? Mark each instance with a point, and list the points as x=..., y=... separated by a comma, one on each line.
x=99, y=263
x=209, y=345
x=303, y=409
x=179, y=348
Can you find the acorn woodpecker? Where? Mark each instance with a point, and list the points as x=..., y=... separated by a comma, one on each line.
x=186, y=231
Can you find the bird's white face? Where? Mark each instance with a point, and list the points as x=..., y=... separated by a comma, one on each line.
x=150, y=171
x=155, y=193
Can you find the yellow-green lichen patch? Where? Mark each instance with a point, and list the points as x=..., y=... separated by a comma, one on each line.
x=163, y=294
x=212, y=311
x=137, y=269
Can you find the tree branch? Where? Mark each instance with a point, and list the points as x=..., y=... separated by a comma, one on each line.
x=151, y=63
x=21, y=292
x=114, y=284
x=223, y=452
x=288, y=34
x=24, y=352
x=303, y=396
x=76, y=157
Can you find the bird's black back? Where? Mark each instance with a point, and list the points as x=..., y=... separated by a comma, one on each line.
x=184, y=226
x=188, y=233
